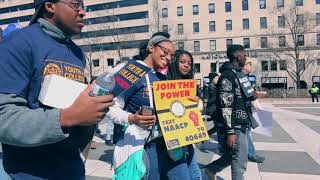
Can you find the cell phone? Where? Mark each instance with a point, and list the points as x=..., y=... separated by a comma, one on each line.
x=146, y=111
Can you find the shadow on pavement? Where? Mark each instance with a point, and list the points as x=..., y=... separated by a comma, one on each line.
x=107, y=156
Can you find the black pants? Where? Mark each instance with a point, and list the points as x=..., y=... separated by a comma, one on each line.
x=314, y=96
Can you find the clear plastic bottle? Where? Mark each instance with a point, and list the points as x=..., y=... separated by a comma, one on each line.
x=104, y=84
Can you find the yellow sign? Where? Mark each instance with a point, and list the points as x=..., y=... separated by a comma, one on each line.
x=179, y=118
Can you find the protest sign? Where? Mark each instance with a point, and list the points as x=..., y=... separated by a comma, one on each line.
x=264, y=119
x=179, y=118
x=128, y=75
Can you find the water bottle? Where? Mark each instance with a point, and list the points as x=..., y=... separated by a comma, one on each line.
x=104, y=84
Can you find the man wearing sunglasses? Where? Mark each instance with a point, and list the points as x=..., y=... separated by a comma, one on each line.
x=41, y=142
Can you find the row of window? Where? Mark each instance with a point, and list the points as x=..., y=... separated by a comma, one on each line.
x=195, y=10
x=112, y=46
x=110, y=32
x=97, y=20
x=96, y=7
x=228, y=7
x=246, y=43
x=110, y=62
x=245, y=24
x=273, y=65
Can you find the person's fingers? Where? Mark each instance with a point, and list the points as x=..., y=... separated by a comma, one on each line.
x=153, y=117
x=88, y=89
x=104, y=106
x=147, y=121
x=193, y=98
x=104, y=99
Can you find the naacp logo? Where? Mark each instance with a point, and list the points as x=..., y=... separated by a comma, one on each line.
x=52, y=68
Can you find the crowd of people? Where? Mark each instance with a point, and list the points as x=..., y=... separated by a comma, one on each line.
x=41, y=142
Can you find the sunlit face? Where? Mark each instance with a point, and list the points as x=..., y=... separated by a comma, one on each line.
x=247, y=68
x=185, y=64
x=69, y=16
x=162, y=54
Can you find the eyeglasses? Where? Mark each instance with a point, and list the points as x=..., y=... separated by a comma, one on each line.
x=165, y=51
x=76, y=5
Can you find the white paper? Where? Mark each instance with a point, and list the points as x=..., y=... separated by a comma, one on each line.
x=264, y=119
x=59, y=92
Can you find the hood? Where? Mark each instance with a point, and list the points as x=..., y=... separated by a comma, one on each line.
x=228, y=65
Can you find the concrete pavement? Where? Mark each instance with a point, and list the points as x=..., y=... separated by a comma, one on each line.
x=293, y=152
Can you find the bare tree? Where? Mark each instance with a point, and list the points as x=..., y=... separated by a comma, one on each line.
x=91, y=44
x=120, y=37
x=289, y=44
x=110, y=32
x=155, y=16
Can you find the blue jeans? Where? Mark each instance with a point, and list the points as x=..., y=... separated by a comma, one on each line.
x=3, y=174
x=237, y=157
x=194, y=169
x=161, y=166
x=251, y=149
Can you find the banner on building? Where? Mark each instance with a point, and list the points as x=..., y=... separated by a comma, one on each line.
x=179, y=118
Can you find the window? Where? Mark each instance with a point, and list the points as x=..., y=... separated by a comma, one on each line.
x=196, y=46
x=96, y=62
x=264, y=65
x=195, y=10
x=245, y=23
x=301, y=65
x=264, y=42
x=211, y=7
x=213, y=45
x=196, y=27
x=165, y=28
x=228, y=42
x=300, y=20
x=318, y=62
x=283, y=65
x=164, y=12
x=212, y=26
x=299, y=2
x=317, y=1
x=273, y=65
x=318, y=39
x=228, y=25
x=180, y=28
x=181, y=46
x=263, y=23
x=246, y=43
x=282, y=41
x=213, y=67
x=245, y=5
x=318, y=18
x=300, y=40
x=262, y=4
x=280, y=3
x=180, y=11
x=110, y=61
x=281, y=22
x=228, y=6
x=197, y=67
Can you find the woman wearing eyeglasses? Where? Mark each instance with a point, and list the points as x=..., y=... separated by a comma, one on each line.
x=157, y=54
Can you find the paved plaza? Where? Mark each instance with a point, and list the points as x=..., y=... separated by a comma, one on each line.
x=293, y=151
